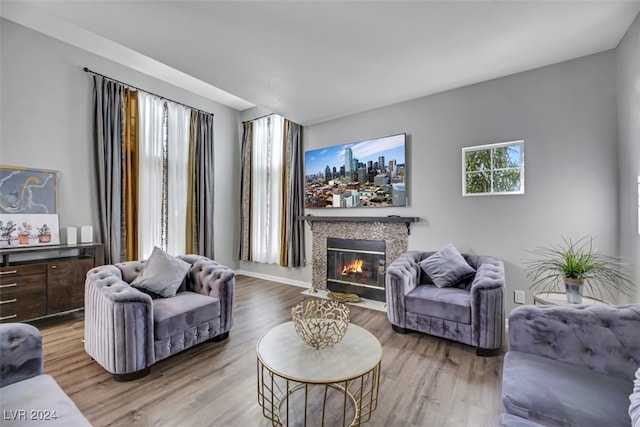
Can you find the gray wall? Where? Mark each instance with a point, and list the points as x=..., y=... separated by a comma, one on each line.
x=628, y=85
x=46, y=123
x=566, y=113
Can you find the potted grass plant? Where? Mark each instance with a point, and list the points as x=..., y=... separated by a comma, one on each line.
x=578, y=265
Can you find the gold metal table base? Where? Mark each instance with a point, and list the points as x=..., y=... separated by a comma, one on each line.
x=288, y=402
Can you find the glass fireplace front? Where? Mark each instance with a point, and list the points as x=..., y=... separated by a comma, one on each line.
x=356, y=266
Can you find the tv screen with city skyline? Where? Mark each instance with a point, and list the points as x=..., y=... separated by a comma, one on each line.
x=368, y=173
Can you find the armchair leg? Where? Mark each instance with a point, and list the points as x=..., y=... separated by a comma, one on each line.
x=132, y=375
x=399, y=329
x=487, y=352
x=220, y=337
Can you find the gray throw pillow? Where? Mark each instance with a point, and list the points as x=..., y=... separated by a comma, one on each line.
x=447, y=267
x=162, y=274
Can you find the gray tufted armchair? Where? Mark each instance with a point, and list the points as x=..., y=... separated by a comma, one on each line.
x=572, y=366
x=127, y=331
x=471, y=313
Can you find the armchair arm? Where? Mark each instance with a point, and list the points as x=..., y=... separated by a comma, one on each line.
x=487, y=303
x=21, y=349
x=118, y=322
x=208, y=277
x=402, y=277
x=602, y=338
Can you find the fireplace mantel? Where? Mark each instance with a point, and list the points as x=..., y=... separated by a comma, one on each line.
x=407, y=220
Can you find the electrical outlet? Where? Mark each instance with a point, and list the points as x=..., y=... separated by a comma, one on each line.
x=518, y=297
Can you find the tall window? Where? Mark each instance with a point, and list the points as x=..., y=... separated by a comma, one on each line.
x=154, y=173
x=266, y=205
x=163, y=161
x=272, y=192
x=493, y=169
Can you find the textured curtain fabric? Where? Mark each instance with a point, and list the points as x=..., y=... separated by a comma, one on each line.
x=178, y=132
x=272, y=193
x=293, y=243
x=266, y=189
x=190, y=244
x=151, y=164
x=245, y=193
x=155, y=174
x=131, y=174
x=108, y=107
x=204, y=179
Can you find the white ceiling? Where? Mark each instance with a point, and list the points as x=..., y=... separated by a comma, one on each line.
x=312, y=61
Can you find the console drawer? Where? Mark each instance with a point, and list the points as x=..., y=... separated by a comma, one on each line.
x=10, y=274
x=23, y=299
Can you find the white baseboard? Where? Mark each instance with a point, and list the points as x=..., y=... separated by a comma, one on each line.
x=271, y=278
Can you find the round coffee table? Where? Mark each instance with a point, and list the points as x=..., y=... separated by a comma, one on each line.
x=336, y=386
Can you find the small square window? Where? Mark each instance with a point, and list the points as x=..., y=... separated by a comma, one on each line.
x=493, y=169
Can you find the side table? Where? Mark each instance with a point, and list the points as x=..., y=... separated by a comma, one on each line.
x=303, y=386
x=560, y=298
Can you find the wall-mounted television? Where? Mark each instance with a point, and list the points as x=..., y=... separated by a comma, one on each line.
x=369, y=173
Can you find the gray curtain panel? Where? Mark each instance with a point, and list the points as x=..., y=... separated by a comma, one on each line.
x=245, y=193
x=293, y=227
x=108, y=106
x=204, y=184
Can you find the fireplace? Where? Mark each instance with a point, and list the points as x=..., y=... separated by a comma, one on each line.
x=393, y=230
x=356, y=266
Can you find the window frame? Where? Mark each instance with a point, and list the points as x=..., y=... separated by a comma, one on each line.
x=491, y=170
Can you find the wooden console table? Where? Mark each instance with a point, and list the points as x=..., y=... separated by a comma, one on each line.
x=41, y=281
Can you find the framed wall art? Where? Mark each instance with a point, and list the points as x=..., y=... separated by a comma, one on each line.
x=28, y=191
x=29, y=230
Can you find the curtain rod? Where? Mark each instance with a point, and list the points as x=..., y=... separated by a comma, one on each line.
x=258, y=118
x=86, y=70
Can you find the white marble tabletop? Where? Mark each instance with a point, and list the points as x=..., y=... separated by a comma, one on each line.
x=285, y=354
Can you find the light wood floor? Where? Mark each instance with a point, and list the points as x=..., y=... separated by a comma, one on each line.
x=425, y=381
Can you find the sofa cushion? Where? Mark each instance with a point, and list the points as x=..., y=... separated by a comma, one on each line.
x=42, y=395
x=445, y=303
x=185, y=310
x=162, y=274
x=553, y=393
x=447, y=267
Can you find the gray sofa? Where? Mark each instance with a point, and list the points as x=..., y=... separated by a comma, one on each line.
x=127, y=330
x=471, y=312
x=27, y=397
x=571, y=366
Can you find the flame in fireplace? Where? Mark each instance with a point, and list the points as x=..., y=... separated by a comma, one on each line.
x=354, y=267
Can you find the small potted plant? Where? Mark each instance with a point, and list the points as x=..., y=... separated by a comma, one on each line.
x=578, y=265
x=6, y=231
x=44, y=234
x=24, y=231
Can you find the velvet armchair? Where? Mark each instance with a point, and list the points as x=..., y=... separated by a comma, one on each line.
x=470, y=311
